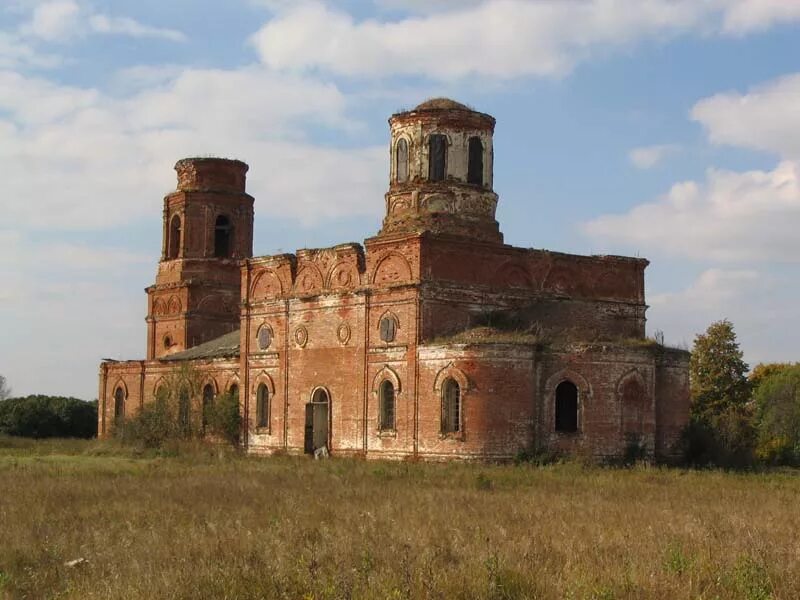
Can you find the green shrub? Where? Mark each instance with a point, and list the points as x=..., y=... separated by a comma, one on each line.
x=777, y=401
x=40, y=416
x=224, y=419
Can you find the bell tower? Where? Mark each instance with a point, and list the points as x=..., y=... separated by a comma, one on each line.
x=441, y=172
x=207, y=231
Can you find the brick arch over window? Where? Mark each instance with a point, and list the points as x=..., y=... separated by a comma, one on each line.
x=120, y=393
x=451, y=372
x=634, y=399
x=266, y=379
x=392, y=268
x=385, y=373
x=159, y=385
x=550, y=386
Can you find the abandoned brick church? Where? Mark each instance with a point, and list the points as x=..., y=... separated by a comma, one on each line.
x=432, y=340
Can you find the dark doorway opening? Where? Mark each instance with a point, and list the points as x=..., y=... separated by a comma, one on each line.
x=317, y=420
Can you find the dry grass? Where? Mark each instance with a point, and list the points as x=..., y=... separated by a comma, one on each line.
x=212, y=525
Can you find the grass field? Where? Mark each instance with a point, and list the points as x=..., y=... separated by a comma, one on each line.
x=209, y=524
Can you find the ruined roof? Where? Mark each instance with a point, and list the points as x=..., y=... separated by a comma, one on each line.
x=225, y=346
x=442, y=104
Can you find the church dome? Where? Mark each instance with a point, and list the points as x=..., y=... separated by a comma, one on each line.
x=441, y=104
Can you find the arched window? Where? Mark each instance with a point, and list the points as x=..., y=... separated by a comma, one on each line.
x=451, y=406
x=119, y=406
x=222, y=237
x=386, y=406
x=183, y=409
x=174, y=240
x=437, y=157
x=208, y=404
x=262, y=406
x=475, y=166
x=567, y=407
x=234, y=392
x=402, y=160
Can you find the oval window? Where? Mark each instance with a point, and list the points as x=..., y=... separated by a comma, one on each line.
x=264, y=338
x=388, y=329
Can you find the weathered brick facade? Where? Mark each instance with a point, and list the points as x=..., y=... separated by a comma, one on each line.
x=432, y=340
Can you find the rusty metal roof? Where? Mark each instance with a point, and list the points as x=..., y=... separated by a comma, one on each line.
x=225, y=346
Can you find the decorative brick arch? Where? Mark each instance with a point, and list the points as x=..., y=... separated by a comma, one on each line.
x=120, y=383
x=267, y=284
x=160, y=383
x=309, y=279
x=512, y=274
x=342, y=275
x=159, y=308
x=392, y=268
x=209, y=380
x=386, y=372
x=174, y=306
x=451, y=372
x=632, y=375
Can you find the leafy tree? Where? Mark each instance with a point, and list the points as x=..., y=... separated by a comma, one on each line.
x=721, y=430
x=777, y=401
x=763, y=371
x=717, y=373
x=5, y=391
x=48, y=416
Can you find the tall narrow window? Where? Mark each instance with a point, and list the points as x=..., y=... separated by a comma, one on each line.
x=262, y=406
x=119, y=406
x=451, y=407
x=234, y=392
x=567, y=407
x=475, y=167
x=174, y=240
x=402, y=160
x=208, y=404
x=387, y=406
x=222, y=237
x=183, y=409
x=437, y=157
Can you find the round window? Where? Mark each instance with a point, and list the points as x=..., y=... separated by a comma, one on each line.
x=264, y=337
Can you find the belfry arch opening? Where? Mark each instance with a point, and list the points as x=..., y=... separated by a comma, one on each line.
x=223, y=237
x=401, y=161
x=475, y=164
x=174, y=237
x=437, y=157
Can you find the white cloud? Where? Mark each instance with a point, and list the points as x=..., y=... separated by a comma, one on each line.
x=55, y=20
x=75, y=158
x=745, y=16
x=62, y=20
x=647, y=157
x=731, y=216
x=766, y=118
x=761, y=306
x=130, y=27
x=495, y=38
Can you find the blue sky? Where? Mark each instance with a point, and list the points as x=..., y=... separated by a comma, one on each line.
x=668, y=129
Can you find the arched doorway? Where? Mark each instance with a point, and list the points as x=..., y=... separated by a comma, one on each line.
x=317, y=420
